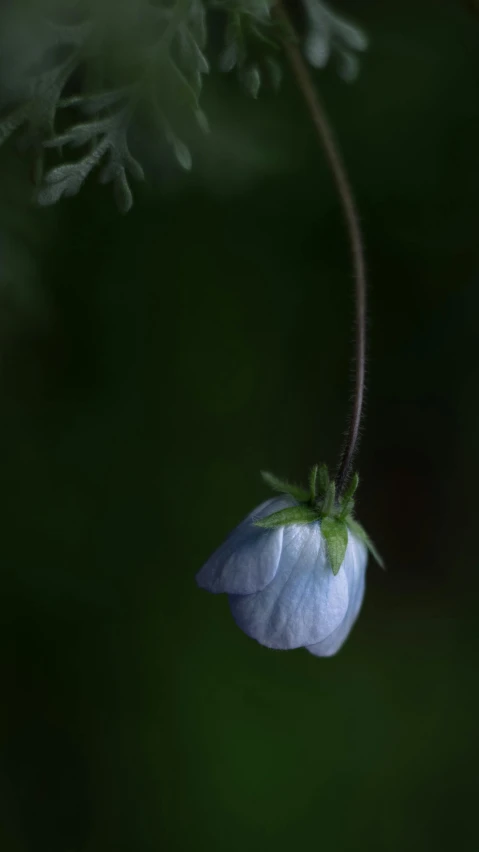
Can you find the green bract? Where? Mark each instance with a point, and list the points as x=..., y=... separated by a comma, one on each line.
x=335, y=516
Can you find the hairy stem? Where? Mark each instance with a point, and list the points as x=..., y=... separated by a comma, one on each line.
x=318, y=117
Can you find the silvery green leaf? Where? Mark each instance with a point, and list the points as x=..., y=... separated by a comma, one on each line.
x=38, y=110
x=182, y=154
x=191, y=56
x=318, y=48
x=196, y=83
x=285, y=517
x=96, y=102
x=185, y=94
x=260, y=9
x=11, y=123
x=336, y=534
x=80, y=134
x=66, y=180
x=185, y=48
x=202, y=120
x=352, y=35
x=228, y=58
x=348, y=66
x=202, y=64
x=284, y=487
x=66, y=172
x=251, y=79
x=108, y=173
x=197, y=23
x=261, y=36
x=67, y=184
x=361, y=533
x=122, y=192
x=133, y=166
x=275, y=72
x=120, y=160
x=329, y=34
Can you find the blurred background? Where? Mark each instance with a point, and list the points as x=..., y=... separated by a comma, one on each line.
x=150, y=366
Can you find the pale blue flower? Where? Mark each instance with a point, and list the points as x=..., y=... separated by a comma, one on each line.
x=280, y=583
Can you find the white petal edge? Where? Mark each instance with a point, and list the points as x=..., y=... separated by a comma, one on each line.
x=354, y=565
x=248, y=559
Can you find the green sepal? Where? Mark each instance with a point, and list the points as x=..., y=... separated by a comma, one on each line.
x=346, y=509
x=336, y=534
x=323, y=481
x=361, y=533
x=285, y=487
x=313, y=476
x=351, y=489
x=329, y=500
x=346, y=502
x=293, y=515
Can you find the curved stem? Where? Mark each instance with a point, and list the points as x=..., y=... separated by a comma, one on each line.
x=338, y=171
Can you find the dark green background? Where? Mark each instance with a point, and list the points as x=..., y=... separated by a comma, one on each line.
x=179, y=351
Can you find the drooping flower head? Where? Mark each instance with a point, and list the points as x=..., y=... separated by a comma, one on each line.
x=294, y=569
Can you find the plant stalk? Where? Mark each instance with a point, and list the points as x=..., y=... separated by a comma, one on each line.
x=338, y=171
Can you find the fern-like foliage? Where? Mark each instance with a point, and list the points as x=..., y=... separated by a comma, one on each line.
x=106, y=140
x=82, y=73
x=252, y=45
x=330, y=36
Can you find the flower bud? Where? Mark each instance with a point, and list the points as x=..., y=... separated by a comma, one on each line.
x=280, y=583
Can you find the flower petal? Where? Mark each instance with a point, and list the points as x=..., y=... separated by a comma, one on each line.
x=304, y=602
x=247, y=561
x=355, y=568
